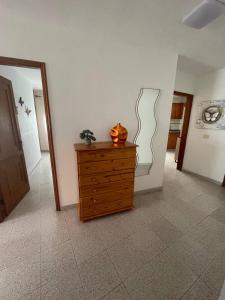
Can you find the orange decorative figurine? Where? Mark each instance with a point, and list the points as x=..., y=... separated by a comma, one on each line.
x=119, y=134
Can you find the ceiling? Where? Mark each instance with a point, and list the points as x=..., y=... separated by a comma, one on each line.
x=192, y=66
x=145, y=23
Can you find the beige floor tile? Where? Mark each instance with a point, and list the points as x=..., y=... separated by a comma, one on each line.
x=118, y=293
x=147, y=242
x=219, y=214
x=214, y=276
x=57, y=262
x=21, y=277
x=6, y=232
x=126, y=257
x=186, y=208
x=16, y=250
x=63, y=289
x=164, y=278
x=206, y=203
x=86, y=245
x=199, y=291
x=130, y=254
x=54, y=230
x=191, y=253
x=99, y=276
x=209, y=232
x=59, y=274
x=178, y=219
x=110, y=228
x=171, y=278
x=138, y=281
x=16, y=294
x=166, y=231
x=144, y=293
x=132, y=221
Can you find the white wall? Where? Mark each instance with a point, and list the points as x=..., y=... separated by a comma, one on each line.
x=28, y=125
x=186, y=82
x=41, y=120
x=94, y=79
x=206, y=156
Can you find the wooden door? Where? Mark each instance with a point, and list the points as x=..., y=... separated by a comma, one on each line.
x=14, y=182
x=186, y=121
x=172, y=141
x=177, y=111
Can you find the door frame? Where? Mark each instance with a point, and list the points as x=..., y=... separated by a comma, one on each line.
x=187, y=115
x=15, y=62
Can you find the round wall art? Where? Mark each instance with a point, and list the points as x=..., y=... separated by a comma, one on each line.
x=212, y=114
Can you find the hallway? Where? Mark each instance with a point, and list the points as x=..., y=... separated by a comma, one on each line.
x=171, y=246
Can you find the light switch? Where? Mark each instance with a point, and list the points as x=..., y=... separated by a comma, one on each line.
x=205, y=136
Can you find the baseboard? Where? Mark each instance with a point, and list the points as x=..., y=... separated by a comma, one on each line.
x=69, y=206
x=151, y=190
x=202, y=177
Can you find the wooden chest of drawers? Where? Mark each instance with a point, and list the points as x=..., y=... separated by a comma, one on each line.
x=106, y=178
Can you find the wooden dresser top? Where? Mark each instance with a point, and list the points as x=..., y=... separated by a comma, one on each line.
x=102, y=145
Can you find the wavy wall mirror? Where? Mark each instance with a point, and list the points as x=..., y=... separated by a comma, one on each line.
x=147, y=124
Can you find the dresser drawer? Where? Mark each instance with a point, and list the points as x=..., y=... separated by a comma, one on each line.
x=107, y=177
x=105, y=204
x=106, y=166
x=90, y=156
x=106, y=188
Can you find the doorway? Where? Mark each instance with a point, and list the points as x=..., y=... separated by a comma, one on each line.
x=178, y=131
x=39, y=66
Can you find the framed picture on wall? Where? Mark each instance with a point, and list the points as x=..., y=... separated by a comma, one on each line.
x=211, y=115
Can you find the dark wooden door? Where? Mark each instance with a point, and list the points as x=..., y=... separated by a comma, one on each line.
x=177, y=111
x=172, y=140
x=14, y=182
x=186, y=121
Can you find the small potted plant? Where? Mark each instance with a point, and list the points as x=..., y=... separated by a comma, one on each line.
x=87, y=136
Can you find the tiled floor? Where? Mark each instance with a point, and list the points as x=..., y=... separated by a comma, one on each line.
x=171, y=246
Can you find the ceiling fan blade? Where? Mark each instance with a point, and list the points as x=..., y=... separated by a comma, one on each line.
x=206, y=12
